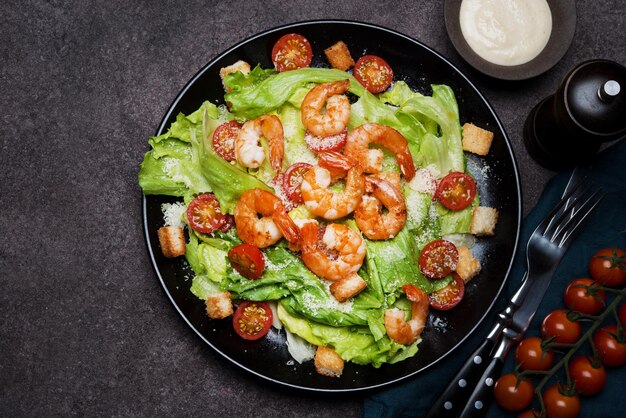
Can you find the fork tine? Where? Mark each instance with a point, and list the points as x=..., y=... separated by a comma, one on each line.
x=577, y=217
x=559, y=209
x=557, y=221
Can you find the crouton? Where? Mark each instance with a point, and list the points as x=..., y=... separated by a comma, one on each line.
x=219, y=305
x=172, y=240
x=328, y=362
x=339, y=56
x=347, y=287
x=484, y=221
x=242, y=66
x=476, y=140
x=467, y=267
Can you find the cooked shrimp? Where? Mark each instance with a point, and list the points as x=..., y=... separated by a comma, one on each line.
x=274, y=224
x=403, y=331
x=247, y=150
x=337, y=255
x=335, y=119
x=369, y=216
x=371, y=159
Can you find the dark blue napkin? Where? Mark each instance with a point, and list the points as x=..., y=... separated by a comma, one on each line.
x=605, y=228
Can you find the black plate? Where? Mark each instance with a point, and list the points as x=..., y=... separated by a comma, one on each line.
x=563, y=28
x=498, y=184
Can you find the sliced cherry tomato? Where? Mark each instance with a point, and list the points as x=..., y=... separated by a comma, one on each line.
x=558, y=326
x=252, y=320
x=373, y=73
x=204, y=214
x=621, y=313
x=608, y=266
x=248, y=260
x=530, y=354
x=513, y=394
x=224, y=139
x=229, y=222
x=326, y=143
x=292, y=181
x=291, y=51
x=583, y=296
x=560, y=405
x=456, y=190
x=448, y=297
x=438, y=259
x=610, y=345
x=588, y=377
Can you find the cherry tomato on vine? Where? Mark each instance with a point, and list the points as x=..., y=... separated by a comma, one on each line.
x=513, y=394
x=291, y=51
x=587, y=374
x=560, y=405
x=456, y=190
x=608, y=266
x=531, y=355
x=556, y=324
x=448, y=297
x=373, y=73
x=438, y=259
x=204, y=214
x=611, y=348
x=248, y=260
x=224, y=139
x=292, y=181
x=582, y=296
x=252, y=320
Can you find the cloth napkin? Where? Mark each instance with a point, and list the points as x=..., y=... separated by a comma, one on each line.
x=606, y=227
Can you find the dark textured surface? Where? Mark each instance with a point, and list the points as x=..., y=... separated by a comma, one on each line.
x=85, y=328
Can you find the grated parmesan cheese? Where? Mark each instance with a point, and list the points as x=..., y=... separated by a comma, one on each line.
x=173, y=213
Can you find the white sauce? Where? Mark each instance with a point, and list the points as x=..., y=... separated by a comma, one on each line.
x=506, y=32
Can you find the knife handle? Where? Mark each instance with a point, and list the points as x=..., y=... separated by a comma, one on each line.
x=452, y=399
x=481, y=397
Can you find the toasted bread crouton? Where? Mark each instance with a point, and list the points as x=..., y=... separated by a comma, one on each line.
x=219, y=305
x=328, y=362
x=339, y=56
x=242, y=66
x=476, y=140
x=347, y=287
x=172, y=240
x=484, y=221
x=467, y=267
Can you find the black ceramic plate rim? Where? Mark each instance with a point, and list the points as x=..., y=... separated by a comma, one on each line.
x=162, y=127
x=558, y=44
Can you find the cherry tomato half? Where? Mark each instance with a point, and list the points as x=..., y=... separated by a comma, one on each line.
x=556, y=324
x=204, y=214
x=588, y=377
x=608, y=266
x=512, y=393
x=373, y=73
x=292, y=181
x=531, y=355
x=326, y=143
x=581, y=296
x=612, y=350
x=229, y=222
x=448, y=297
x=248, y=260
x=559, y=405
x=438, y=259
x=224, y=139
x=291, y=51
x=456, y=190
x=252, y=320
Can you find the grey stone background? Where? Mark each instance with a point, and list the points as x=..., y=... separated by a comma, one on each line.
x=85, y=328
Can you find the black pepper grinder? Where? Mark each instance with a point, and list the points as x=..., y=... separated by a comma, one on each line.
x=587, y=110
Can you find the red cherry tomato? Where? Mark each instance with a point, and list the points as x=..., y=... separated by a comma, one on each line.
x=559, y=405
x=513, y=394
x=531, y=413
x=204, y=214
x=229, y=222
x=581, y=296
x=611, y=348
x=291, y=51
x=588, y=377
x=608, y=266
x=326, y=143
x=448, y=297
x=373, y=73
x=248, y=260
x=531, y=355
x=252, y=320
x=621, y=313
x=292, y=181
x=224, y=139
x=556, y=324
x=438, y=259
x=456, y=191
